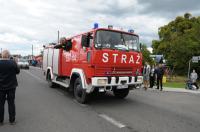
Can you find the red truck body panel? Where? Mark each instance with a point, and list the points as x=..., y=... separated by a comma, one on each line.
x=98, y=62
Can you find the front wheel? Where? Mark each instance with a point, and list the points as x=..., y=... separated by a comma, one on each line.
x=121, y=93
x=50, y=83
x=80, y=93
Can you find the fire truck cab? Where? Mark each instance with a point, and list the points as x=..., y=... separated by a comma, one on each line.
x=100, y=60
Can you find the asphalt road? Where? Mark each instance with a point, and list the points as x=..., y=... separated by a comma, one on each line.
x=43, y=109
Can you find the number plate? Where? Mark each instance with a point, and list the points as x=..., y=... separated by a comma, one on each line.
x=139, y=79
x=122, y=86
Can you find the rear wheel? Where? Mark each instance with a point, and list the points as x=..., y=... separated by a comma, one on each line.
x=80, y=93
x=121, y=93
x=50, y=83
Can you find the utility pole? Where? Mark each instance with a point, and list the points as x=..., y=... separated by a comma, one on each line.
x=32, y=52
x=58, y=36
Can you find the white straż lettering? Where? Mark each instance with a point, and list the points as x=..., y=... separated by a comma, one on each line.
x=131, y=59
x=123, y=60
x=105, y=57
x=138, y=58
x=115, y=57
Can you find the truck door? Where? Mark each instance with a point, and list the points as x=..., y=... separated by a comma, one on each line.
x=66, y=58
x=85, y=50
x=75, y=51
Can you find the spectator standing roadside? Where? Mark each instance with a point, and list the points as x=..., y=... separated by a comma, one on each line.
x=146, y=72
x=159, y=76
x=8, y=84
x=193, y=78
x=152, y=76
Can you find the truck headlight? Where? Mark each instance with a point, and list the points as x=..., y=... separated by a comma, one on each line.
x=102, y=81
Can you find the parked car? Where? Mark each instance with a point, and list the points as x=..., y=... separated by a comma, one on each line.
x=22, y=63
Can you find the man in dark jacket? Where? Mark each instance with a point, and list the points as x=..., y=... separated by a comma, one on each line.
x=152, y=76
x=8, y=84
x=159, y=75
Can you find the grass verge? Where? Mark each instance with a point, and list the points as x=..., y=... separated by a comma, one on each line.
x=174, y=84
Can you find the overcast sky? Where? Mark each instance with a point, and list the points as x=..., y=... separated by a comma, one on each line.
x=27, y=22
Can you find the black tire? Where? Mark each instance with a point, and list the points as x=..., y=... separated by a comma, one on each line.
x=50, y=83
x=80, y=93
x=120, y=93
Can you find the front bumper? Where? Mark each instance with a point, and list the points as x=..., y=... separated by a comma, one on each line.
x=116, y=81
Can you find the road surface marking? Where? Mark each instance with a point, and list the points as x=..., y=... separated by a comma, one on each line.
x=113, y=121
x=34, y=76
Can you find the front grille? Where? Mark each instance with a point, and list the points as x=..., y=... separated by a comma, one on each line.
x=113, y=71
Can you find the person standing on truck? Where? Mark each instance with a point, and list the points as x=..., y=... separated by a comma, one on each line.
x=8, y=84
x=159, y=76
x=193, y=78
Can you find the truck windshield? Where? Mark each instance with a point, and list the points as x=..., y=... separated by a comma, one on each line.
x=116, y=40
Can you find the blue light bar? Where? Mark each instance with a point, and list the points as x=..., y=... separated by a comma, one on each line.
x=96, y=25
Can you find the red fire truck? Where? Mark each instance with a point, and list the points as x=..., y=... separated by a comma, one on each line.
x=103, y=59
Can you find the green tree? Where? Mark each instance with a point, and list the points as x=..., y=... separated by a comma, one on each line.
x=146, y=55
x=179, y=40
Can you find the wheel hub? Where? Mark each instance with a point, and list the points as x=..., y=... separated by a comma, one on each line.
x=79, y=90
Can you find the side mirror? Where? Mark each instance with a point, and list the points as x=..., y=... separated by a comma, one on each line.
x=86, y=40
x=90, y=36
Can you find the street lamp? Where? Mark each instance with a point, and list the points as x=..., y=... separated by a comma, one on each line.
x=189, y=69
